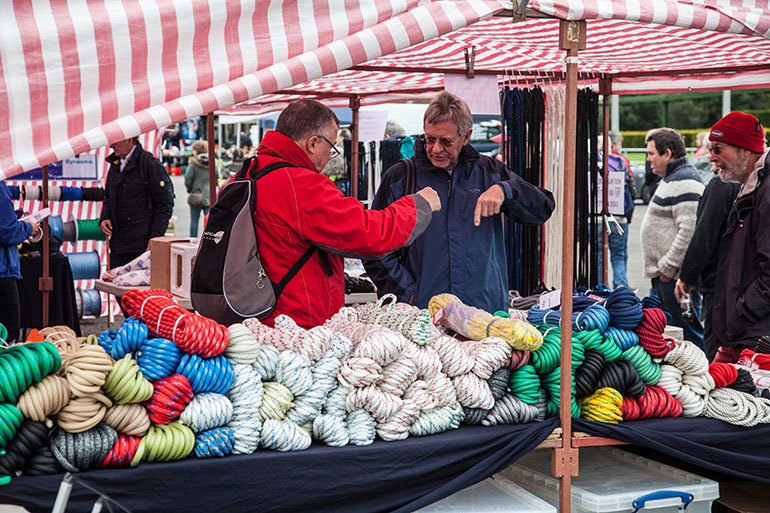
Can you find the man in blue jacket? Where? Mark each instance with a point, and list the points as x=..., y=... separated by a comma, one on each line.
x=463, y=249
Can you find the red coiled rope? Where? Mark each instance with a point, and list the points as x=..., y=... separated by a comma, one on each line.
x=650, y=333
x=122, y=452
x=193, y=333
x=754, y=360
x=655, y=402
x=170, y=397
x=518, y=359
x=723, y=373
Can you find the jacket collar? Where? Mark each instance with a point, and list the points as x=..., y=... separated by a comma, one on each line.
x=671, y=166
x=467, y=154
x=135, y=151
x=284, y=148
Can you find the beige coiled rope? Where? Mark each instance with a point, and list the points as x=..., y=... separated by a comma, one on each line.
x=87, y=370
x=45, y=399
x=83, y=413
x=129, y=419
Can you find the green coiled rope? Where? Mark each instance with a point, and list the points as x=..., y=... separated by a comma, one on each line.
x=548, y=356
x=648, y=370
x=594, y=339
x=3, y=333
x=25, y=365
x=551, y=383
x=525, y=384
x=10, y=420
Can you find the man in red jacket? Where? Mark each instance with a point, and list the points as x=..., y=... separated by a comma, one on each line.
x=298, y=207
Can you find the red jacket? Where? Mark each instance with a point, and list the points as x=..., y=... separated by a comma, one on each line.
x=297, y=206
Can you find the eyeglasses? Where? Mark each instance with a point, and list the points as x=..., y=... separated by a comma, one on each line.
x=333, y=151
x=442, y=141
x=716, y=150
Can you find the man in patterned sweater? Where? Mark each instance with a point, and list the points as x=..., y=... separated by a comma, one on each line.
x=669, y=223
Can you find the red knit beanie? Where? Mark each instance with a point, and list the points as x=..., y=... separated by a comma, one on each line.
x=741, y=130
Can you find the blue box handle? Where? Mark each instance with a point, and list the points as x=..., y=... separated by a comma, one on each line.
x=686, y=497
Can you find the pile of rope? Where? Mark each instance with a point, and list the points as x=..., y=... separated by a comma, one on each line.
x=410, y=321
x=685, y=375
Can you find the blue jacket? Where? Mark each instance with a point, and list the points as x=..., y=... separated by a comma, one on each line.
x=453, y=255
x=12, y=233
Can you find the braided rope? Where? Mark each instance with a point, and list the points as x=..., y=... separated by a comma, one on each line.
x=293, y=371
x=331, y=429
x=518, y=359
x=624, y=339
x=23, y=365
x=45, y=399
x=509, y=409
x=525, y=384
x=266, y=362
x=744, y=383
x=276, y=401
x=29, y=438
x=132, y=333
x=122, y=452
x=207, y=411
x=473, y=392
x=648, y=370
x=414, y=323
x=314, y=343
x=128, y=419
x=604, y=405
x=454, y=360
x=87, y=370
x=723, y=373
x=126, y=384
x=10, y=420
x=396, y=427
x=498, y=382
x=361, y=427
x=214, y=443
x=246, y=397
x=213, y=374
x=158, y=358
x=688, y=357
x=488, y=355
x=625, y=309
x=419, y=393
x=242, y=347
x=284, y=436
x=165, y=442
x=83, y=413
x=437, y=420
x=85, y=450
x=169, y=399
x=737, y=408
x=443, y=390
x=381, y=405
x=336, y=401
x=650, y=332
x=398, y=375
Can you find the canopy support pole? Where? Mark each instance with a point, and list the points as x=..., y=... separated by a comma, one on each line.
x=45, y=283
x=355, y=104
x=605, y=89
x=564, y=460
x=212, y=161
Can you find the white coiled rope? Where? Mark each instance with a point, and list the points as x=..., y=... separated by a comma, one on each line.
x=398, y=375
x=442, y=388
x=473, y=392
x=380, y=404
x=381, y=345
x=242, y=346
x=419, y=393
x=331, y=430
x=327, y=367
x=688, y=357
x=359, y=371
x=314, y=343
x=488, y=355
x=284, y=322
x=396, y=427
x=276, y=401
x=410, y=321
x=246, y=395
x=437, y=420
x=284, y=436
x=207, y=410
x=509, y=409
x=266, y=362
x=670, y=379
x=693, y=405
x=341, y=346
x=738, y=408
x=308, y=406
x=455, y=360
x=361, y=427
x=336, y=401
x=293, y=372
x=701, y=384
x=426, y=358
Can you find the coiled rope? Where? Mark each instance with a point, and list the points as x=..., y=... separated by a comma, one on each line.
x=206, y=374
x=744, y=383
x=550, y=384
x=604, y=405
x=29, y=438
x=473, y=392
x=293, y=371
x=242, y=347
x=650, y=332
x=169, y=398
x=737, y=408
x=266, y=362
x=509, y=409
x=623, y=377
x=454, y=360
x=648, y=370
x=131, y=335
x=246, y=397
x=83, y=413
x=412, y=322
x=10, y=420
x=284, y=436
x=525, y=384
x=128, y=419
x=170, y=442
x=594, y=339
x=206, y=411
x=396, y=427
x=276, y=401
x=158, y=358
x=688, y=357
x=437, y=420
x=332, y=430
x=624, y=339
x=23, y=365
x=87, y=370
x=126, y=384
x=45, y=399
x=655, y=402
x=625, y=309
x=360, y=426
x=723, y=373
x=83, y=451
x=755, y=359
x=214, y=443
x=588, y=373
x=122, y=452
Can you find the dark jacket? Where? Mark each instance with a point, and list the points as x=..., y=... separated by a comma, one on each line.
x=742, y=300
x=12, y=233
x=139, y=201
x=699, y=267
x=196, y=176
x=453, y=255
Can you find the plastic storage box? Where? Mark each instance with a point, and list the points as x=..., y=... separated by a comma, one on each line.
x=493, y=495
x=611, y=480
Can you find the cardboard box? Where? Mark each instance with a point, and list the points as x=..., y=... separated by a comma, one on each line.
x=160, y=260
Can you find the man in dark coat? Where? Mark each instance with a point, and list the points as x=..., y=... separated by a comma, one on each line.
x=741, y=311
x=138, y=201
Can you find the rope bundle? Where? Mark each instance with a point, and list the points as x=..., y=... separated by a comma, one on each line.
x=122, y=452
x=45, y=399
x=648, y=370
x=744, y=383
x=655, y=402
x=266, y=362
x=723, y=373
x=454, y=360
x=623, y=377
x=293, y=371
x=284, y=436
x=83, y=413
x=206, y=374
x=509, y=409
x=276, y=401
x=688, y=357
x=125, y=383
x=595, y=317
x=437, y=420
x=737, y=408
x=214, y=443
x=131, y=335
x=396, y=427
x=170, y=397
x=207, y=411
x=588, y=373
x=525, y=384
x=595, y=340
x=191, y=332
x=314, y=343
x=162, y=442
x=23, y=365
x=87, y=370
x=550, y=384
x=128, y=419
x=10, y=420
x=246, y=397
x=624, y=339
x=381, y=405
x=488, y=355
x=473, y=392
x=650, y=332
x=158, y=358
x=42, y=462
x=477, y=324
x=751, y=359
x=604, y=405
x=83, y=451
x=360, y=426
x=332, y=430
x=498, y=382
x=242, y=347
x=518, y=359
x=410, y=321
x=30, y=437
x=398, y=375
x=625, y=309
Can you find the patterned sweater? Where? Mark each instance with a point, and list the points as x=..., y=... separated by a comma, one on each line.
x=670, y=220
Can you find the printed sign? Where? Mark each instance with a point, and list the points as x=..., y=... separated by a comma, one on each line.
x=614, y=194
x=481, y=92
x=82, y=167
x=371, y=124
x=550, y=299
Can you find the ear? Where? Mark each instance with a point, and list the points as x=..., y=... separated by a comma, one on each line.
x=467, y=137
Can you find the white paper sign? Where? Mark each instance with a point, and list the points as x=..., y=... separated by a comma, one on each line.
x=481, y=93
x=617, y=181
x=371, y=124
x=82, y=167
x=36, y=217
x=550, y=299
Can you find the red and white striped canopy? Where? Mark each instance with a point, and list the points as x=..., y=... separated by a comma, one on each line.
x=79, y=75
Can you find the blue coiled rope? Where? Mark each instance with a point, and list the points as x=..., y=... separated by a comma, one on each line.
x=158, y=358
x=651, y=301
x=217, y=442
x=595, y=317
x=624, y=339
x=206, y=374
x=625, y=309
x=537, y=315
x=580, y=302
x=131, y=336
x=106, y=338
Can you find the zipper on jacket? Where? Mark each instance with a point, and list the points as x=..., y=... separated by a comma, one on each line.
x=449, y=192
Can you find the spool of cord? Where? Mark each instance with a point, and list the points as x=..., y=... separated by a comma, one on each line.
x=88, y=229
x=56, y=225
x=91, y=301
x=85, y=265
x=70, y=230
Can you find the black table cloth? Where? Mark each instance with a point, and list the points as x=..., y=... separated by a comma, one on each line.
x=62, y=308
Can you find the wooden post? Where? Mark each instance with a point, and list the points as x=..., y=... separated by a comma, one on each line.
x=45, y=284
x=605, y=89
x=355, y=104
x=564, y=462
x=212, y=160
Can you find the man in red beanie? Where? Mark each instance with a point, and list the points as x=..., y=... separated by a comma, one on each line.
x=741, y=312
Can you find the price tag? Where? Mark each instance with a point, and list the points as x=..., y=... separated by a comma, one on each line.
x=550, y=299
x=437, y=316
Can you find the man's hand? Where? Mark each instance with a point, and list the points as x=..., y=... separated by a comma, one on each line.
x=488, y=203
x=106, y=227
x=665, y=279
x=431, y=196
x=682, y=289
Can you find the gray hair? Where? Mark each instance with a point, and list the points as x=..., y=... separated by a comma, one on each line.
x=616, y=137
x=448, y=107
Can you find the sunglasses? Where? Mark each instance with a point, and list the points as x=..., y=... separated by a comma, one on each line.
x=716, y=150
x=333, y=151
x=444, y=142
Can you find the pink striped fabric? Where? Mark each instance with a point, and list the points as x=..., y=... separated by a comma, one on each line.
x=77, y=76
